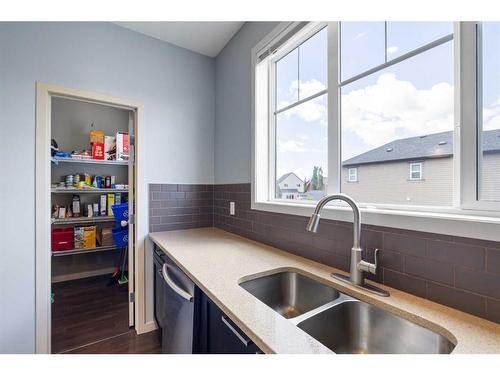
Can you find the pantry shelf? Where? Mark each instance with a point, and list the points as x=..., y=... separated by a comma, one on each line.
x=83, y=251
x=56, y=160
x=86, y=191
x=83, y=220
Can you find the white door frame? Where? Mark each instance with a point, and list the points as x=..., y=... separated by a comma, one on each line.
x=44, y=93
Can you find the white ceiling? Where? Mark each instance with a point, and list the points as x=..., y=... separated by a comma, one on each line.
x=207, y=38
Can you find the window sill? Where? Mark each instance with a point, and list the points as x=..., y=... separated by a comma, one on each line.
x=449, y=222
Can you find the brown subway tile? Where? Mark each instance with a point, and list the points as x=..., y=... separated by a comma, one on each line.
x=372, y=239
x=169, y=187
x=155, y=220
x=493, y=310
x=404, y=244
x=458, y=299
x=406, y=283
x=493, y=260
x=429, y=269
x=154, y=187
x=457, y=253
x=477, y=242
x=387, y=259
x=484, y=283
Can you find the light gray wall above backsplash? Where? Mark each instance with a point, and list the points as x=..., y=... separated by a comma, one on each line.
x=176, y=88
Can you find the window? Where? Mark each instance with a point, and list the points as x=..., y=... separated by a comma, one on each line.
x=353, y=175
x=386, y=96
x=300, y=116
x=415, y=171
x=489, y=112
x=395, y=112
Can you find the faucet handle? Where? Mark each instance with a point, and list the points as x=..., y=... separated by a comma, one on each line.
x=375, y=255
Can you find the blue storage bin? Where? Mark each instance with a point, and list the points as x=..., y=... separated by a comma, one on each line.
x=120, y=236
x=120, y=212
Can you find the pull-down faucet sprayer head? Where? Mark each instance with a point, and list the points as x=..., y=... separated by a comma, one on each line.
x=312, y=225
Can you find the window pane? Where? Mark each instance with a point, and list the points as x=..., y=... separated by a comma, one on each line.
x=362, y=47
x=400, y=114
x=313, y=65
x=403, y=37
x=489, y=183
x=287, y=69
x=301, y=151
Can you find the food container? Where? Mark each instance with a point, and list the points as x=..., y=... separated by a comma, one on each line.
x=62, y=239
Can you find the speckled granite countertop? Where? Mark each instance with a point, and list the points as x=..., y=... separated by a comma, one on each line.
x=217, y=261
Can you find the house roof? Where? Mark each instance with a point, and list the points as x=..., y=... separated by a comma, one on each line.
x=285, y=176
x=428, y=146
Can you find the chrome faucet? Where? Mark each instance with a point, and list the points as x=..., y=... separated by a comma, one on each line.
x=358, y=266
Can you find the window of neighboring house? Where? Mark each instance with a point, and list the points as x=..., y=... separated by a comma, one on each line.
x=300, y=110
x=286, y=185
x=415, y=171
x=353, y=175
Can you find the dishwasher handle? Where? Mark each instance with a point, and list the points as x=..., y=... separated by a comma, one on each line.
x=176, y=288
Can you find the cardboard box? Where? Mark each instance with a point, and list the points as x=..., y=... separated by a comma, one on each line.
x=109, y=147
x=78, y=238
x=89, y=237
x=122, y=146
x=96, y=136
x=111, y=201
x=98, y=151
x=107, y=237
x=103, y=211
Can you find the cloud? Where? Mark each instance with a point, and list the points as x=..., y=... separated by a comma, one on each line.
x=393, y=108
x=392, y=49
x=291, y=146
x=491, y=116
x=314, y=110
x=359, y=35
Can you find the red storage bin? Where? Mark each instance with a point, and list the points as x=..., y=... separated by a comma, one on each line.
x=62, y=239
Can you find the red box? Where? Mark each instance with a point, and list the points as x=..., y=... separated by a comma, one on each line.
x=122, y=143
x=62, y=239
x=98, y=151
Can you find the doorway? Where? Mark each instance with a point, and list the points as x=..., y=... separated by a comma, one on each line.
x=80, y=266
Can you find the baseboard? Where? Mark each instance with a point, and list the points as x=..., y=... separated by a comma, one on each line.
x=146, y=327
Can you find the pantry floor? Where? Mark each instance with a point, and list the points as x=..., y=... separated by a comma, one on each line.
x=88, y=316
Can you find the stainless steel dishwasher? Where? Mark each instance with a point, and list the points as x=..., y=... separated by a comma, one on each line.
x=175, y=313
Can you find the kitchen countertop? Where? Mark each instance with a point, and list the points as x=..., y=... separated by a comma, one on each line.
x=217, y=261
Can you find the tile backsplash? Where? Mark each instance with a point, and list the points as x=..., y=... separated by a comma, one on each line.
x=462, y=273
x=178, y=206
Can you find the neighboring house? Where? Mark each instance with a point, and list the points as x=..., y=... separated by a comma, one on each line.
x=289, y=186
x=417, y=171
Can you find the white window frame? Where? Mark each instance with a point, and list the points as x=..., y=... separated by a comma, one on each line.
x=468, y=216
x=420, y=171
x=355, y=174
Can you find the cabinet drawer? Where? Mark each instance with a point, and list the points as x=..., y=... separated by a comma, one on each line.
x=224, y=336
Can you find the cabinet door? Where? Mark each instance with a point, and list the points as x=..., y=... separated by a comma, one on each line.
x=223, y=336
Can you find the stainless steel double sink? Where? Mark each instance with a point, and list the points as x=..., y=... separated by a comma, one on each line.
x=341, y=322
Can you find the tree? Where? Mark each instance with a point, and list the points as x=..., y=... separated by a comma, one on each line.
x=317, y=178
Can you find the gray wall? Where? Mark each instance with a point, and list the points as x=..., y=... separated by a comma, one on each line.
x=176, y=87
x=232, y=104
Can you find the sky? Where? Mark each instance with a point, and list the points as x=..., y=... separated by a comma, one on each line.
x=410, y=98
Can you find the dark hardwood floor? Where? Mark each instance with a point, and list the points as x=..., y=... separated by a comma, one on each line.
x=128, y=343
x=88, y=316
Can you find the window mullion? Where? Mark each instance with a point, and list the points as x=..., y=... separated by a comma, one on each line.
x=465, y=135
x=334, y=140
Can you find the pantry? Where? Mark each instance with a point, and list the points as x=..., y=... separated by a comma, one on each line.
x=91, y=221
